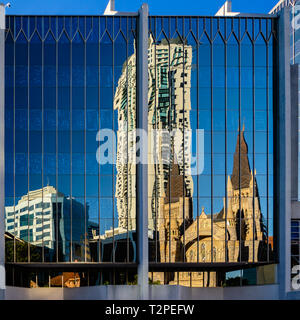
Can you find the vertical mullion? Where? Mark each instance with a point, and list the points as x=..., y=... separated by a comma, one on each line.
x=294, y=37
x=212, y=139
x=84, y=143
x=183, y=136
x=56, y=137
x=253, y=159
x=197, y=151
x=14, y=149
x=170, y=130
x=127, y=149
x=239, y=133
x=99, y=111
x=267, y=107
x=113, y=127
x=71, y=147
x=43, y=151
x=226, y=186
x=155, y=163
x=28, y=141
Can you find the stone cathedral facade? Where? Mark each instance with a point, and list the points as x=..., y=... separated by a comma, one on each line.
x=240, y=219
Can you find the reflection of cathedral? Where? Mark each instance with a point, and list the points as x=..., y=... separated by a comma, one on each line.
x=243, y=216
x=236, y=233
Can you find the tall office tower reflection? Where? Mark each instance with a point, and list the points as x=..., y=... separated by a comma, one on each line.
x=42, y=218
x=125, y=103
x=169, y=69
x=169, y=91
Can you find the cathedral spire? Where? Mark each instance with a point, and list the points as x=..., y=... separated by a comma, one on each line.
x=175, y=186
x=241, y=172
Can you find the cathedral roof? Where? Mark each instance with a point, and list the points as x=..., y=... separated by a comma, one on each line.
x=241, y=168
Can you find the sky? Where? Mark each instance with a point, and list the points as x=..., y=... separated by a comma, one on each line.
x=156, y=7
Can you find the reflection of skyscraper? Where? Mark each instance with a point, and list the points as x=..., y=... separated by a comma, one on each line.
x=42, y=218
x=32, y=219
x=169, y=107
x=125, y=103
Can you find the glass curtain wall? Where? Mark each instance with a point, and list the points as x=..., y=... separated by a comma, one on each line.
x=211, y=108
x=66, y=200
x=295, y=60
x=70, y=120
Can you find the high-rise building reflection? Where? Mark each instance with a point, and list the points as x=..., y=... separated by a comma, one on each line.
x=43, y=218
x=235, y=234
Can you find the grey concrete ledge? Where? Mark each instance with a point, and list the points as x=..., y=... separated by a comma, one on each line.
x=157, y=292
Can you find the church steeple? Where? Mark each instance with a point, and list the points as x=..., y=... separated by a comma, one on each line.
x=241, y=167
x=175, y=186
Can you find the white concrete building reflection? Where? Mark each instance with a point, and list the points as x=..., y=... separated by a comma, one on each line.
x=43, y=218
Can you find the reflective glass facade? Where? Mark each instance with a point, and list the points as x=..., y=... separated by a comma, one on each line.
x=212, y=199
x=61, y=75
x=295, y=60
x=71, y=86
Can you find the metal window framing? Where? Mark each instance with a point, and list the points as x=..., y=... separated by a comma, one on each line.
x=238, y=27
x=205, y=26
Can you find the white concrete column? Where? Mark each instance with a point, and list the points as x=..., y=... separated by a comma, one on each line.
x=284, y=184
x=142, y=168
x=2, y=144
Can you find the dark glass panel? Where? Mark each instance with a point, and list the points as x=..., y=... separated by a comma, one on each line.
x=9, y=50
x=78, y=98
x=53, y=25
x=49, y=99
x=21, y=141
x=106, y=98
x=63, y=119
x=9, y=76
x=49, y=142
x=92, y=185
x=92, y=97
x=50, y=50
x=36, y=96
x=92, y=213
x=78, y=185
x=92, y=165
x=106, y=50
x=35, y=164
x=50, y=75
x=232, y=52
x=64, y=186
x=35, y=50
x=120, y=49
x=106, y=183
x=106, y=76
x=260, y=77
x=232, y=77
x=78, y=120
x=218, y=142
x=247, y=52
x=64, y=163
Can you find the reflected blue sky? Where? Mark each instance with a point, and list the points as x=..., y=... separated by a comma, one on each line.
x=156, y=7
